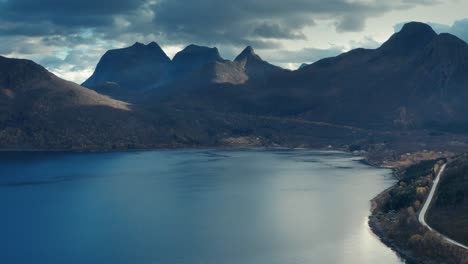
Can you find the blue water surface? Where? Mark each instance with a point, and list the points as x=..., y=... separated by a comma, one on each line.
x=189, y=207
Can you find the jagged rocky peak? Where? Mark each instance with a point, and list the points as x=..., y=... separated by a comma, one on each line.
x=413, y=36
x=138, y=44
x=142, y=45
x=193, y=57
x=248, y=53
x=194, y=51
x=153, y=44
x=133, y=68
x=152, y=49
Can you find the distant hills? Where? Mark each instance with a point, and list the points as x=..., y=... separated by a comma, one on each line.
x=39, y=111
x=416, y=82
x=129, y=73
x=417, y=79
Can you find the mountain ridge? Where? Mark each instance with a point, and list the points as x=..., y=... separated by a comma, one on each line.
x=395, y=89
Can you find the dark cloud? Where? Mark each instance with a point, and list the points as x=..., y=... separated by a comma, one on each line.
x=175, y=21
x=64, y=32
x=60, y=13
x=276, y=31
x=350, y=23
x=241, y=20
x=208, y=20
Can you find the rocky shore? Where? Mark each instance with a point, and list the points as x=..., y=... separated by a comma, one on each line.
x=394, y=213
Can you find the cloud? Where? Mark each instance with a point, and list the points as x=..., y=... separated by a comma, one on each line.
x=306, y=55
x=366, y=42
x=350, y=23
x=275, y=31
x=459, y=28
x=243, y=20
x=69, y=14
x=57, y=32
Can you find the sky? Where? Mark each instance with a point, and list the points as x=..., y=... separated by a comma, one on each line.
x=68, y=37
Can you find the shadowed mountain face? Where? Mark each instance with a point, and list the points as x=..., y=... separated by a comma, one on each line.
x=135, y=72
x=256, y=68
x=122, y=73
x=413, y=36
x=416, y=79
x=192, y=58
x=247, y=69
x=41, y=111
x=25, y=82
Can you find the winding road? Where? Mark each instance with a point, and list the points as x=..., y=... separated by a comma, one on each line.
x=422, y=214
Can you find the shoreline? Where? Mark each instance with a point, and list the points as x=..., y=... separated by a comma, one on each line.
x=375, y=204
x=383, y=224
x=33, y=150
x=402, y=253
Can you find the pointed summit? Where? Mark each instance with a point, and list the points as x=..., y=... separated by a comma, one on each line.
x=137, y=45
x=249, y=49
x=256, y=68
x=248, y=53
x=412, y=36
x=153, y=45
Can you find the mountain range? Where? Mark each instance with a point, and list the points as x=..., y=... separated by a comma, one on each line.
x=416, y=82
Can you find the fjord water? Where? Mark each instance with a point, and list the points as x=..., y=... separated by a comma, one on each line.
x=189, y=207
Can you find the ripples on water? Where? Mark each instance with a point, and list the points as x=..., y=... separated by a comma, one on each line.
x=189, y=207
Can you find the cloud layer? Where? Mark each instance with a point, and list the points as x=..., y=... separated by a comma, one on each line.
x=68, y=37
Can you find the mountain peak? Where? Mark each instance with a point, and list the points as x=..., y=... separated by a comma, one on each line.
x=249, y=50
x=417, y=28
x=196, y=49
x=193, y=51
x=412, y=36
x=193, y=57
x=133, y=68
x=247, y=53
x=138, y=44
x=153, y=44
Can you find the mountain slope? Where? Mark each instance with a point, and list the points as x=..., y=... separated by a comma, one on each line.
x=255, y=67
x=415, y=79
x=192, y=58
x=42, y=111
